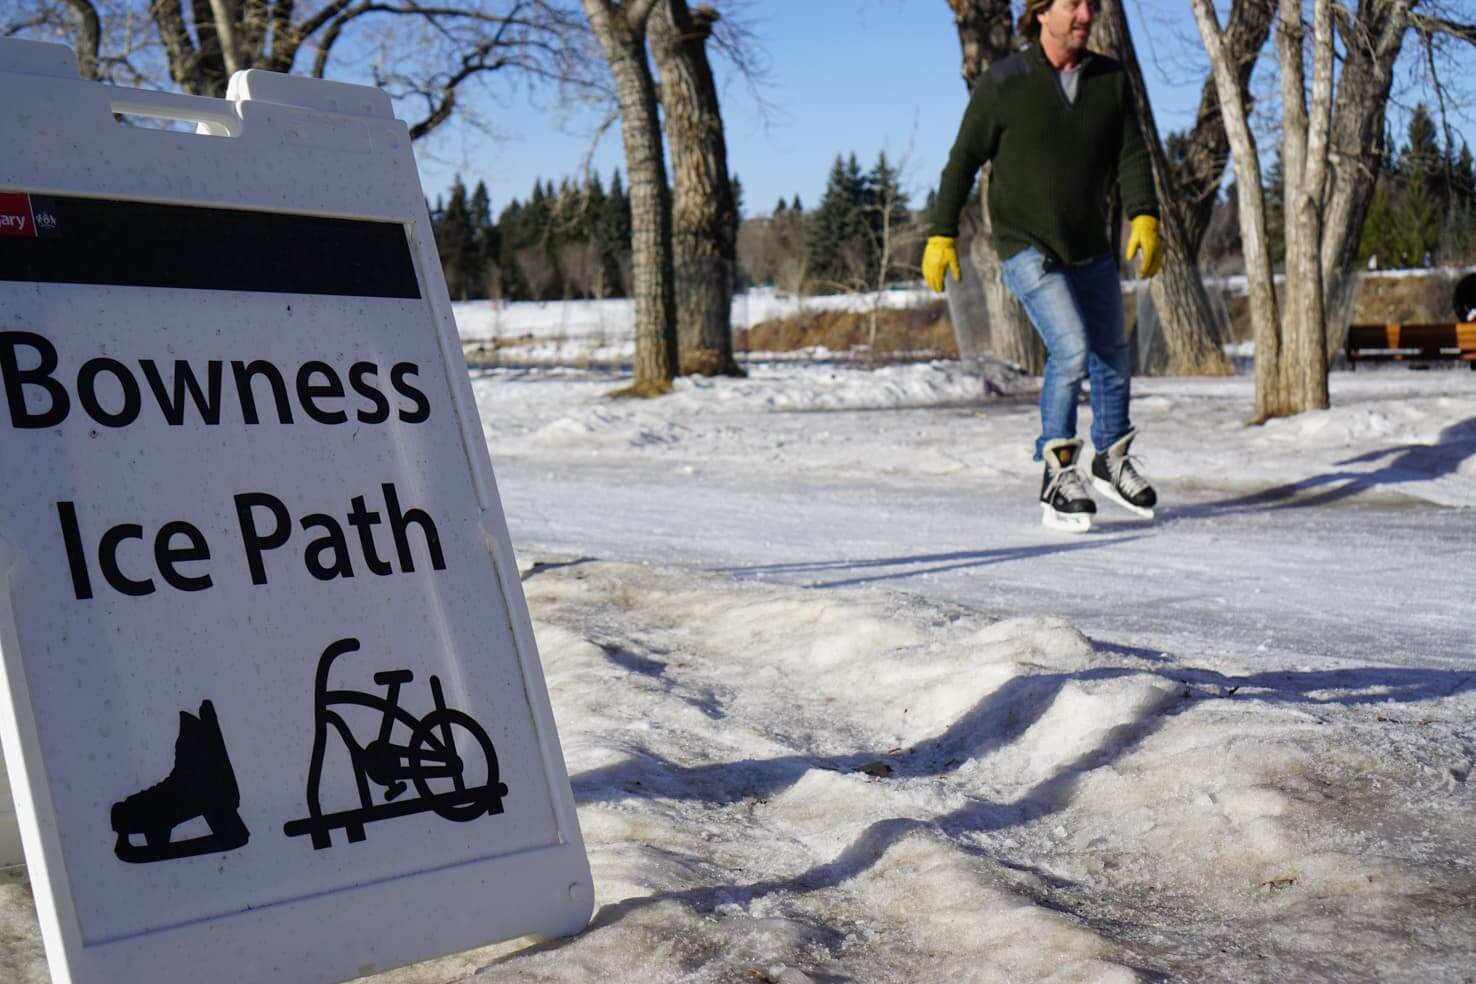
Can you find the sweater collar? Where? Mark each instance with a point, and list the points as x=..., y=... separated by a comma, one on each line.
x=1037, y=53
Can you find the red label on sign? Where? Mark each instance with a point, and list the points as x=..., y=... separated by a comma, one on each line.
x=15, y=215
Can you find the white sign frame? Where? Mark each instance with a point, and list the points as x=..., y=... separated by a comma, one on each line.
x=285, y=145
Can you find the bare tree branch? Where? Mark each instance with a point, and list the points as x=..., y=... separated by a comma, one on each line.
x=42, y=19
x=637, y=12
x=586, y=164
x=1428, y=25
x=225, y=29
x=168, y=15
x=89, y=37
x=738, y=42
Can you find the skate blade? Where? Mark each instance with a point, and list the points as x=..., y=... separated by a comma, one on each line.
x=1064, y=522
x=124, y=850
x=1110, y=493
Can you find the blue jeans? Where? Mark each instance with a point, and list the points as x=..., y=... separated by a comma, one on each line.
x=1077, y=310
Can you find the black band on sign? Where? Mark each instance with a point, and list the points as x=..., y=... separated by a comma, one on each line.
x=57, y=240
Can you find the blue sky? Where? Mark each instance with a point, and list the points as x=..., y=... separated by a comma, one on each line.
x=843, y=75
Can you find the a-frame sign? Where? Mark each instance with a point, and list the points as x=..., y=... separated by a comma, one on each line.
x=272, y=707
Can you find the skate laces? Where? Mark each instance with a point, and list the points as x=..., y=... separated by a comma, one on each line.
x=1067, y=481
x=1126, y=477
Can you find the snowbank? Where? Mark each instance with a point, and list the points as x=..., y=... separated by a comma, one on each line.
x=799, y=787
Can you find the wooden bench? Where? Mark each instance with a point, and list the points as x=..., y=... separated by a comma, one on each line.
x=1411, y=342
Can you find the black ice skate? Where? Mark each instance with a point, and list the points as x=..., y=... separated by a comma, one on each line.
x=1064, y=502
x=203, y=784
x=1113, y=475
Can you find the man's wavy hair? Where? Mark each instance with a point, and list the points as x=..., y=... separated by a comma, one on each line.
x=1028, y=26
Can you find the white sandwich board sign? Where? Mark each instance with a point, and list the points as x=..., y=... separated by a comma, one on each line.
x=273, y=709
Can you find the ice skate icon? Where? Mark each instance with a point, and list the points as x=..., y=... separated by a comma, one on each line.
x=445, y=755
x=202, y=784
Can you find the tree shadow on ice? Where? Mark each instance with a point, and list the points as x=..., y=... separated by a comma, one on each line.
x=655, y=670
x=1352, y=687
x=544, y=566
x=919, y=565
x=1050, y=795
x=1002, y=717
x=1403, y=464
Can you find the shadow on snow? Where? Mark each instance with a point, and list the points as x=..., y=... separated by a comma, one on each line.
x=922, y=564
x=1000, y=718
x=1405, y=463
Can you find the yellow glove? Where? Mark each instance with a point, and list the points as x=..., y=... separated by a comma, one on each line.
x=939, y=258
x=1145, y=237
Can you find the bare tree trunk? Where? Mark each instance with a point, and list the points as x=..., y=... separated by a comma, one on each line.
x=197, y=69
x=1178, y=294
x=1012, y=337
x=1265, y=323
x=704, y=216
x=89, y=38
x=1371, y=45
x=1304, y=158
x=621, y=33
x=986, y=34
x=1208, y=151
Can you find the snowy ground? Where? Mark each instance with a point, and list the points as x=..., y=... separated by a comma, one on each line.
x=836, y=708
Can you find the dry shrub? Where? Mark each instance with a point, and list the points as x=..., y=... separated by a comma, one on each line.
x=1381, y=300
x=900, y=331
x=1407, y=299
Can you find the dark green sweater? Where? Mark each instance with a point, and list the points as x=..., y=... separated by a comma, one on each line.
x=1054, y=161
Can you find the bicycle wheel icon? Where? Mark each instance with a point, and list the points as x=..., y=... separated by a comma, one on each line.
x=446, y=756
x=452, y=764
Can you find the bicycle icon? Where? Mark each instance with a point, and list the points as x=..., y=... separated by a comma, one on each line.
x=434, y=758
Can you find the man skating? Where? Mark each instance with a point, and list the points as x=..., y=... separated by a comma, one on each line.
x=1058, y=123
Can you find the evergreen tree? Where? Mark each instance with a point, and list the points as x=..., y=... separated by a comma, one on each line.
x=456, y=244
x=1418, y=223
x=1380, y=236
x=780, y=208
x=1463, y=217
x=1419, y=161
x=1427, y=206
x=613, y=233
x=887, y=214
x=1275, y=192
x=484, y=238
x=1465, y=178
x=797, y=205
x=509, y=228
x=838, y=229
x=605, y=275
x=1424, y=202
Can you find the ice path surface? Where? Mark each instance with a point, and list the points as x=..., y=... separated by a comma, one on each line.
x=854, y=716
